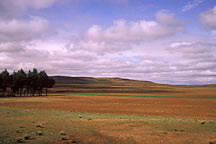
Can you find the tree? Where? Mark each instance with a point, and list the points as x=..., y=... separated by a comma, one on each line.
x=6, y=80
x=49, y=84
x=32, y=81
x=15, y=83
x=1, y=81
x=22, y=77
x=43, y=78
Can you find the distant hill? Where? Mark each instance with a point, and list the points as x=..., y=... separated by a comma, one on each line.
x=66, y=84
x=91, y=80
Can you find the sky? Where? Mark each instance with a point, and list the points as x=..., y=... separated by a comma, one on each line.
x=164, y=41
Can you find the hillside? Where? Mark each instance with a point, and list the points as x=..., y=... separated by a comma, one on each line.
x=65, y=84
x=91, y=80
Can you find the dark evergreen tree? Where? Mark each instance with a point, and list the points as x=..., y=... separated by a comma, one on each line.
x=28, y=82
x=6, y=80
x=1, y=83
x=22, y=77
x=43, y=78
x=32, y=82
x=15, y=83
x=49, y=84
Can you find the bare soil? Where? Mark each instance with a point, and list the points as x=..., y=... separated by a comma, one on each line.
x=193, y=108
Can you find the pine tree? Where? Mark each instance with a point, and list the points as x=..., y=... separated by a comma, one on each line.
x=6, y=80
x=43, y=78
x=14, y=84
x=49, y=84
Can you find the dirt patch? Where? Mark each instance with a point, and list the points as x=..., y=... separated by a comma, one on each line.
x=196, y=108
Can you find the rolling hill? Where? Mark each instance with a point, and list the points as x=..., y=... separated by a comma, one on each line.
x=65, y=84
x=92, y=80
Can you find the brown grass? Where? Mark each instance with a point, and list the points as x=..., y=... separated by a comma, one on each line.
x=196, y=108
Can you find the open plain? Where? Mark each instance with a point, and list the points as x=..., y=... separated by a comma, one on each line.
x=90, y=110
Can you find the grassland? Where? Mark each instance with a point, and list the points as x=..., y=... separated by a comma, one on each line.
x=125, y=87
x=101, y=128
x=111, y=110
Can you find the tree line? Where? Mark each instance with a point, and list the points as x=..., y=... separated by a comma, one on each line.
x=22, y=83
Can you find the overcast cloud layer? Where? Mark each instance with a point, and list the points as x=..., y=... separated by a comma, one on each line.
x=173, y=44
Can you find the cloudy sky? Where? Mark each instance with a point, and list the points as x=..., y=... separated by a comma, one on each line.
x=165, y=41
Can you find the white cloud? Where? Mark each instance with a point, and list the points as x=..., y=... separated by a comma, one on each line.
x=100, y=47
x=23, y=30
x=167, y=18
x=208, y=18
x=192, y=4
x=143, y=30
x=124, y=35
x=10, y=47
x=14, y=8
x=179, y=44
x=192, y=47
x=38, y=4
x=200, y=52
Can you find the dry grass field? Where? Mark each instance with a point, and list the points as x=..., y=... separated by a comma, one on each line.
x=113, y=110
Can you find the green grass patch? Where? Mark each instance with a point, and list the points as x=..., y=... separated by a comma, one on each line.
x=175, y=125
x=139, y=96
x=26, y=120
x=81, y=127
x=20, y=112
